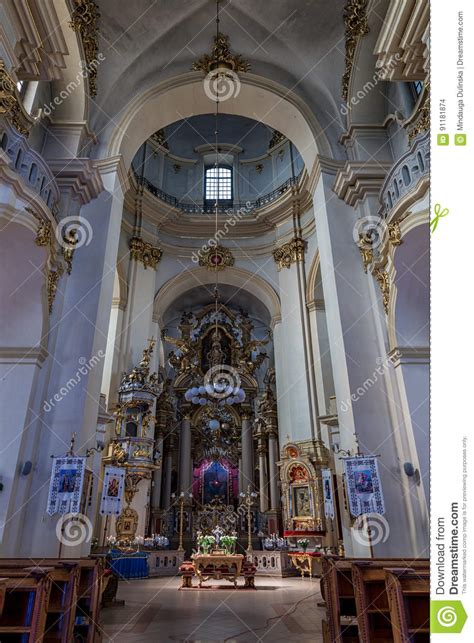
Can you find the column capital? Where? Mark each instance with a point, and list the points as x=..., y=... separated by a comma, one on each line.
x=289, y=253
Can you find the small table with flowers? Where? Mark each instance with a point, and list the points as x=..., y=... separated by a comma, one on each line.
x=306, y=562
x=217, y=566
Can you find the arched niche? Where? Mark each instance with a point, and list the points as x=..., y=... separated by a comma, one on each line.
x=176, y=287
x=185, y=96
x=409, y=312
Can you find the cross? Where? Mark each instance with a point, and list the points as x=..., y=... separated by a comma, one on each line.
x=218, y=532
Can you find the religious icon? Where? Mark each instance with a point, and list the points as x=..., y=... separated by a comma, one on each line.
x=302, y=502
x=363, y=481
x=113, y=487
x=67, y=480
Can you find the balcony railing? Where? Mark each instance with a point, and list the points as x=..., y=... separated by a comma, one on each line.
x=405, y=175
x=197, y=208
x=29, y=164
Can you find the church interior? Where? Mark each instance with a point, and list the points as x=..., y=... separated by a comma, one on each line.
x=214, y=235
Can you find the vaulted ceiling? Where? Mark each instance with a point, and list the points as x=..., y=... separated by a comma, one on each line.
x=298, y=44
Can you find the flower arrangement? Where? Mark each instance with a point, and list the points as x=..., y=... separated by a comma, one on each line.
x=205, y=543
x=229, y=542
x=303, y=543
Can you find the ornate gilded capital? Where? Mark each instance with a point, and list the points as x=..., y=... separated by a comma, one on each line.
x=146, y=253
x=84, y=21
x=216, y=258
x=10, y=103
x=384, y=283
x=356, y=25
x=221, y=56
x=422, y=121
x=289, y=253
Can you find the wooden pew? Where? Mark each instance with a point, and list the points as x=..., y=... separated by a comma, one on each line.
x=356, y=602
x=373, y=611
x=81, y=618
x=23, y=618
x=408, y=593
x=3, y=589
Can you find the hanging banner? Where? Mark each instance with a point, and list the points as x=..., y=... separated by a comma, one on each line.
x=65, y=487
x=328, y=493
x=112, y=491
x=364, y=490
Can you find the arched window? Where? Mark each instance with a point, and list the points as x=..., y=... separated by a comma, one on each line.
x=218, y=183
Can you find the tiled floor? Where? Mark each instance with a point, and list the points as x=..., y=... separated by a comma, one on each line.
x=281, y=609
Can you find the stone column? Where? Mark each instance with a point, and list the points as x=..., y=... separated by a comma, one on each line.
x=78, y=333
x=247, y=453
x=262, y=467
x=357, y=331
x=185, y=455
x=168, y=471
x=157, y=476
x=273, y=472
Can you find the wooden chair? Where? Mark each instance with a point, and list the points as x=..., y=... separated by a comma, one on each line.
x=82, y=618
x=373, y=611
x=24, y=614
x=409, y=600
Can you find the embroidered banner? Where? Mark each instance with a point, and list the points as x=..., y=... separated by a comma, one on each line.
x=65, y=487
x=328, y=493
x=364, y=490
x=112, y=491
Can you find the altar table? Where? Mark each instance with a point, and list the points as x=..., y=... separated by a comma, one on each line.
x=217, y=566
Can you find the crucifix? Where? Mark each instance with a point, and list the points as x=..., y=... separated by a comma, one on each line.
x=218, y=532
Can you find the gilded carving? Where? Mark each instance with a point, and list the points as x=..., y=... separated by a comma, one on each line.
x=221, y=57
x=384, y=283
x=52, y=285
x=146, y=253
x=422, y=122
x=394, y=233
x=10, y=103
x=356, y=25
x=84, y=21
x=289, y=253
x=216, y=258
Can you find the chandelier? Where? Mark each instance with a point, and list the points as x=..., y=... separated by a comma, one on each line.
x=221, y=385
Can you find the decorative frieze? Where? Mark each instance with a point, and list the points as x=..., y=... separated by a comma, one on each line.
x=146, y=253
x=289, y=253
x=216, y=258
x=11, y=105
x=356, y=25
x=84, y=20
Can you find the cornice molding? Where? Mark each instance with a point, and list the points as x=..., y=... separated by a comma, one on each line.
x=114, y=165
x=35, y=355
x=358, y=179
x=409, y=355
x=80, y=175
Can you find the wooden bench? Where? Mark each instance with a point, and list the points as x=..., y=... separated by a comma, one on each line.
x=356, y=601
x=372, y=606
x=408, y=593
x=26, y=597
x=73, y=609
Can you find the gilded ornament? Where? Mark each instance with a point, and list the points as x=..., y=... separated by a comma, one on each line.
x=289, y=253
x=367, y=256
x=160, y=139
x=277, y=137
x=356, y=25
x=11, y=104
x=394, y=233
x=84, y=21
x=146, y=253
x=384, y=283
x=52, y=285
x=422, y=123
x=216, y=258
x=221, y=57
